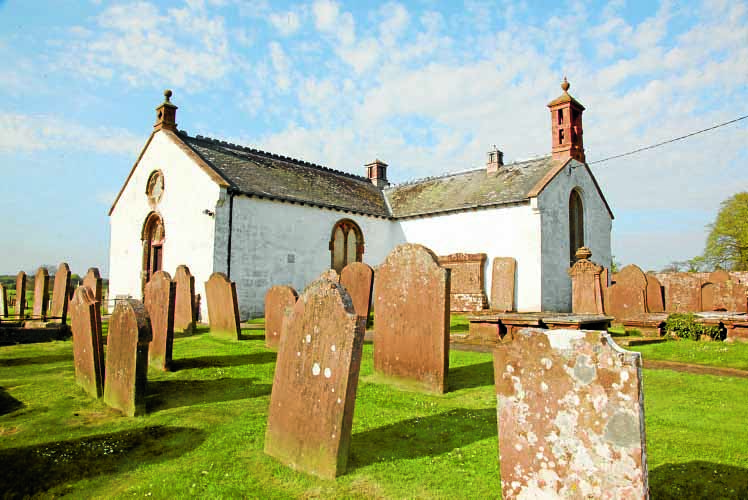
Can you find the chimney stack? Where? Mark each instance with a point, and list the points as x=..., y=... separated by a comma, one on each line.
x=495, y=160
x=166, y=114
x=566, y=126
x=376, y=171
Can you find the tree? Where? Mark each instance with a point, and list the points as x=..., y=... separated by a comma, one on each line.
x=727, y=243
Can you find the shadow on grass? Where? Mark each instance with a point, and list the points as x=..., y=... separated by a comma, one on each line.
x=257, y=358
x=698, y=479
x=36, y=360
x=466, y=377
x=8, y=404
x=252, y=336
x=33, y=470
x=422, y=437
x=197, y=331
x=166, y=394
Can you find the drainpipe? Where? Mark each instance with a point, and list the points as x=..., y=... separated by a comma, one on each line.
x=231, y=224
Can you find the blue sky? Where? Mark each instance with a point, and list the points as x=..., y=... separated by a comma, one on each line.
x=426, y=86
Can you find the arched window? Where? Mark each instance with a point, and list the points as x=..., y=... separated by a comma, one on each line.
x=346, y=244
x=153, y=237
x=576, y=224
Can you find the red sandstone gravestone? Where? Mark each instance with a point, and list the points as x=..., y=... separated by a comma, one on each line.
x=127, y=357
x=41, y=293
x=411, y=325
x=683, y=293
x=60, y=294
x=466, y=281
x=314, y=387
x=158, y=299
x=92, y=280
x=358, y=280
x=570, y=411
x=20, y=306
x=88, y=344
x=655, y=304
x=3, y=302
x=586, y=288
x=223, y=309
x=628, y=296
x=330, y=274
x=277, y=300
x=185, y=315
x=502, y=284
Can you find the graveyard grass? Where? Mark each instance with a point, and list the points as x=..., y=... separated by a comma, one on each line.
x=719, y=354
x=204, y=432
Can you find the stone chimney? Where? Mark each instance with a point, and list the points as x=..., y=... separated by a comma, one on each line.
x=495, y=160
x=166, y=114
x=566, y=126
x=376, y=171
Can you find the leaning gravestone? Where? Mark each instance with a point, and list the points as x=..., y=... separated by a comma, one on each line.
x=277, y=300
x=127, y=357
x=60, y=294
x=411, y=327
x=88, y=345
x=223, y=309
x=502, y=284
x=20, y=306
x=628, y=296
x=158, y=299
x=92, y=280
x=41, y=293
x=3, y=302
x=358, y=279
x=315, y=382
x=184, y=307
x=570, y=411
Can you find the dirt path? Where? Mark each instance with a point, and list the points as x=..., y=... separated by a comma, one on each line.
x=654, y=364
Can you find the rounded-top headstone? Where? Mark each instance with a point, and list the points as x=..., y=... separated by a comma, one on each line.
x=358, y=280
x=159, y=297
x=88, y=346
x=277, y=299
x=184, y=308
x=61, y=293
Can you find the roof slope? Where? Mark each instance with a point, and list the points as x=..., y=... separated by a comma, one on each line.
x=472, y=189
x=258, y=173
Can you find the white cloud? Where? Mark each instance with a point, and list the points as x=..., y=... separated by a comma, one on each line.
x=281, y=66
x=287, y=23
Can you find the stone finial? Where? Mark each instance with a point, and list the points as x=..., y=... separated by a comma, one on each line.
x=168, y=93
x=565, y=85
x=583, y=253
x=166, y=114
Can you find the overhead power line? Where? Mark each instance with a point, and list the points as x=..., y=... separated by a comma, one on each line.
x=669, y=141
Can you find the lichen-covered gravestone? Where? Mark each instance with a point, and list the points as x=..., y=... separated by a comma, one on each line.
x=314, y=388
x=127, y=357
x=570, y=411
x=158, y=298
x=88, y=345
x=3, y=302
x=92, y=280
x=277, y=300
x=184, y=307
x=358, y=280
x=502, y=284
x=330, y=274
x=60, y=293
x=223, y=308
x=20, y=306
x=411, y=326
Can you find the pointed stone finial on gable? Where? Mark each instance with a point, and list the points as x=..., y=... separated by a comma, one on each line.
x=566, y=126
x=166, y=114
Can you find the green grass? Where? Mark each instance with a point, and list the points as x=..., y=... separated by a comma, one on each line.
x=718, y=354
x=204, y=432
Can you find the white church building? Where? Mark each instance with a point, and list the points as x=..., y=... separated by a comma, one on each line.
x=266, y=219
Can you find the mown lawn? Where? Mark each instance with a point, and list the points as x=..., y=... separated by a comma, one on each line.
x=204, y=432
x=719, y=354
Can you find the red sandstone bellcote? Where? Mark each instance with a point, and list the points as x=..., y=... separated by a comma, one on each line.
x=566, y=126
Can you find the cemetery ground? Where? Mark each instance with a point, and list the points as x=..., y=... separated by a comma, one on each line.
x=204, y=430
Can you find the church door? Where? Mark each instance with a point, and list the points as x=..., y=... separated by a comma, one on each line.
x=153, y=246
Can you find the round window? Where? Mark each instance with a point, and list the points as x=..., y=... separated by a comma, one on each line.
x=155, y=188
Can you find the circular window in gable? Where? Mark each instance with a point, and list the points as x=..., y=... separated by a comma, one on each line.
x=155, y=187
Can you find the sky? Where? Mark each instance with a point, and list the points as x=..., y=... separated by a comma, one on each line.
x=424, y=85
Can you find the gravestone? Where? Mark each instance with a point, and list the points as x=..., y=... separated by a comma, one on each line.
x=586, y=289
x=411, y=326
x=92, y=280
x=41, y=293
x=277, y=300
x=502, y=284
x=185, y=316
x=683, y=293
x=223, y=309
x=723, y=293
x=330, y=274
x=20, y=307
x=570, y=411
x=628, y=296
x=655, y=304
x=466, y=292
x=88, y=344
x=159, y=295
x=127, y=357
x=60, y=293
x=358, y=280
x=3, y=302
x=315, y=382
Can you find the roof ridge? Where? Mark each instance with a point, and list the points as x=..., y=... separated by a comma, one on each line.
x=268, y=154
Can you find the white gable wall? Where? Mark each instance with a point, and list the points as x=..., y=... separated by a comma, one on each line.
x=553, y=203
x=509, y=231
x=188, y=191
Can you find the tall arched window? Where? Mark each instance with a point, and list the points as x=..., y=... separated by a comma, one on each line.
x=576, y=224
x=346, y=244
x=153, y=237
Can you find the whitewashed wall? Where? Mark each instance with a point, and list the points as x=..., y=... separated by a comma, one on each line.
x=188, y=191
x=511, y=231
x=553, y=203
x=268, y=235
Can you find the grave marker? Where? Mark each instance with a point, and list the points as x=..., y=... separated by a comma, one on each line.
x=330, y=274
x=185, y=316
x=502, y=284
x=88, y=345
x=223, y=309
x=358, y=280
x=466, y=281
x=655, y=304
x=92, y=280
x=20, y=306
x=586, y=288
x=683, y=293
x=159, y=296
x=60, y=294
x=277, y=300
x=3, y=302
x=628, y=296
x=41, y=293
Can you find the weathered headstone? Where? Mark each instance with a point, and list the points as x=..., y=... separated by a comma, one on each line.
x=92, y=280
x=3, y=302
x=41, y=293
x=20, y=307
x=722, y=292
x=88, y=345
x=570, y=411
x=330, y=274
x=60, y=293
x=127, y=357
x=223, y=309
x=185, y=315
x=159, y=295
x=586, y=289
x=502, y=284
x=655, y=304
x=411, y=307
x=628, y=296
x=682, y=293
x=466, y=292
x=277, y=300
x=315, y=382
x=358, y=280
